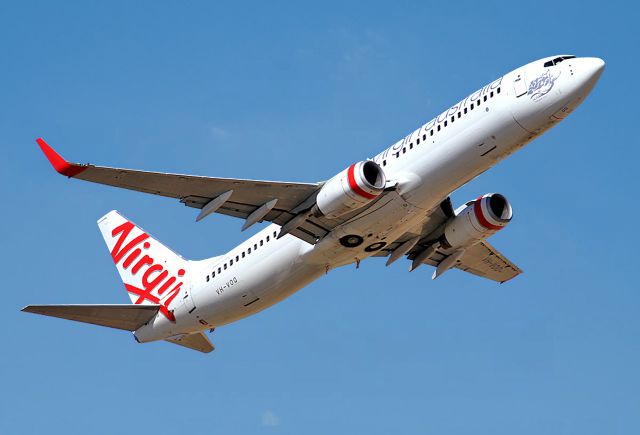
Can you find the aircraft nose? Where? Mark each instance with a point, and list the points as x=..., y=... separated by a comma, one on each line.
x=587, y=72
x=593, y=68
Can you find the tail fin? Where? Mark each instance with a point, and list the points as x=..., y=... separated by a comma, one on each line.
x=151, y=272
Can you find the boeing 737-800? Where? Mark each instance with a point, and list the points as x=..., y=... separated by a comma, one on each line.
x=393, y=205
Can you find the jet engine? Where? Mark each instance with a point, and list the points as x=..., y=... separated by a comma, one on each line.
x=478, y=220
x=351, y=189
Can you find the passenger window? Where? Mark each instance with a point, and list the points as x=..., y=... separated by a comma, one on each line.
x=231, y=262
x=498, y=91
x=225, y=266
x=491, y=95
x=465, y=110
x=471, y=106
x=261, y=242
x=431, y=132
x=478, y=102
x=237, y=258
x=459, y=115
x=404, y=150
x=410, y=146
x=445, y=123
x=207, y=278
x=242, y=254
x=424, y=137
x=219, y=270
x=438, y=128
x=418, y=141
x=384, y=163
x=249, y=250
x=267, y=238
x=485, y=98
x=213, y=274
x=274, y=234
x=255, y=246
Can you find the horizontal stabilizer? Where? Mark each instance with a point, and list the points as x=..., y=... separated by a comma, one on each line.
x=197, y=341
x=127, y=317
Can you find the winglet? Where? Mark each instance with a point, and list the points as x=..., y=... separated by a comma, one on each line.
x=58, y=162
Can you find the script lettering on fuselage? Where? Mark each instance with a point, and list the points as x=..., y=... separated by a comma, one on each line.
x=440, y=119
x=155, y=281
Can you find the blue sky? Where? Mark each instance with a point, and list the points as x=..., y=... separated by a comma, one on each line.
x=287, y=91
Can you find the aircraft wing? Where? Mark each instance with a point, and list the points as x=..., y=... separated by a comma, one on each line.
x=484, y=260
x=252, y=200
x=428, y=232
x=480, y=259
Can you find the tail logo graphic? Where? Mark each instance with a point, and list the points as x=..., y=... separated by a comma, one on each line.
x=158, y=285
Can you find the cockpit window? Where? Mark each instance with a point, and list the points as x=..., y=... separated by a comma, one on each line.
x=557, y=60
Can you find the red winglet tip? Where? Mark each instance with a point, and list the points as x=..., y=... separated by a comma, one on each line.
x=59, y=164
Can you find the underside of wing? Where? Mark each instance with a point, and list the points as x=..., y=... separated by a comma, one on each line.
x=422, y=247
x=485, y=261
x=480, y=259
x=425, y=234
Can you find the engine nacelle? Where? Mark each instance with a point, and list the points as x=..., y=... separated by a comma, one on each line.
x=480, y=219
x=351, y=189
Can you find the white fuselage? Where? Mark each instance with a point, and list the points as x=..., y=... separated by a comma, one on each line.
x=427, y=165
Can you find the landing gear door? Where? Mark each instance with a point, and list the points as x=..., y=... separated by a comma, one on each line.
x=519, y=83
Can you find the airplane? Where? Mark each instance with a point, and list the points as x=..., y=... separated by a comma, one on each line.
x=393, y=205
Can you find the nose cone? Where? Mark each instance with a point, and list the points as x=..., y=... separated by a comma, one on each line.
x=589, y=70
x=585, y=73
x=594, y=67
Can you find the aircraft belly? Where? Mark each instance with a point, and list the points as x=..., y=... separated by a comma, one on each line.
x=377, y=229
